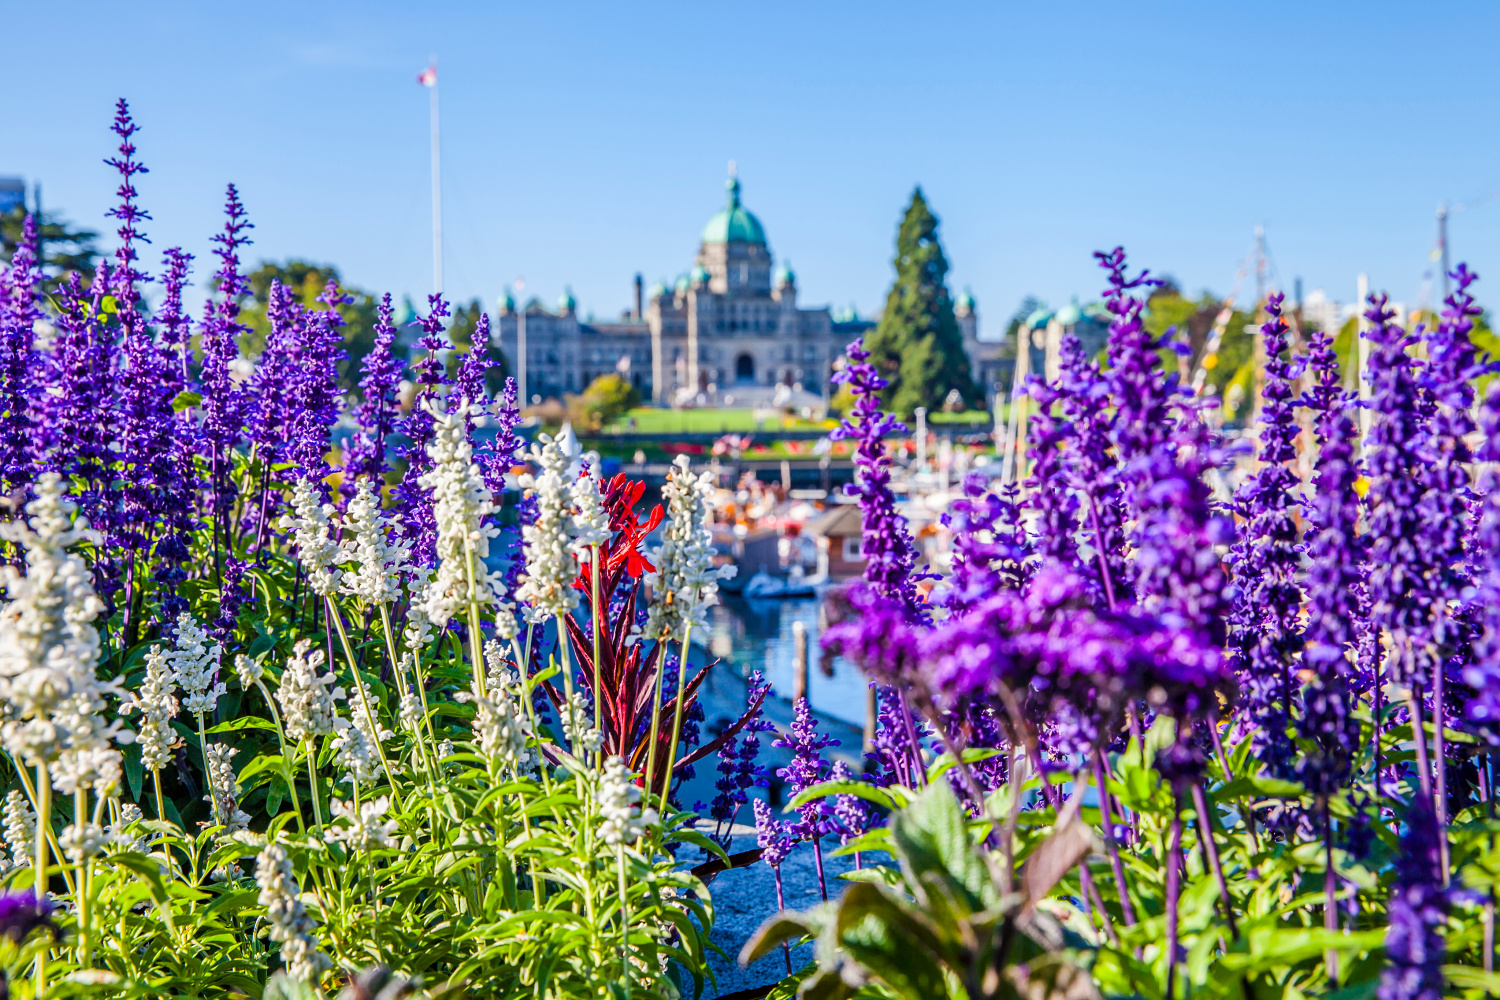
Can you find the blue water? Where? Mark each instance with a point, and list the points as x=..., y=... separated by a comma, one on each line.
x=748, y=634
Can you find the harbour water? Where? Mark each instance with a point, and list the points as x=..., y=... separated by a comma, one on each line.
x=746, y=634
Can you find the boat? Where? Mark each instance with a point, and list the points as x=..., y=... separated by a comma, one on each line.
x=763, y=584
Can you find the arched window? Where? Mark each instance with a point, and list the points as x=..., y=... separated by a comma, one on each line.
x=744, y=368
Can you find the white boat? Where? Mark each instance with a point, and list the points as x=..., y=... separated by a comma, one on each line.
x=763, y=584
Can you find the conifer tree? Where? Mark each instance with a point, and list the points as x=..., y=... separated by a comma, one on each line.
x=918, y=345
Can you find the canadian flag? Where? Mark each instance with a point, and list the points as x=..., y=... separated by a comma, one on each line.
x=428, y=77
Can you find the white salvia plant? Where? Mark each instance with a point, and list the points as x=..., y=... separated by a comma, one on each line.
x=224, y=788
x=501, y=727
x=367, y=827
x=461, y=503
x=355, y=745
x=20, y=827
x=590, y=519
x=291, y=927
x=308, y=700
x=48, y=644
x=582, y=737
x=379, y=563
x=194, y=660
x=157, y=704
x=551, y=567
x=309, y=523
x=685, y=582
x=617, y=798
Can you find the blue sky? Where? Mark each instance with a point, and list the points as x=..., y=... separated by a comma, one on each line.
x=585, y=142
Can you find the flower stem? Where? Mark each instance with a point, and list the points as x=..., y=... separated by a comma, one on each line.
x=364, y=699
x=594, y=614
x=39, y=873
x=213, y=795
x=312, y=777
x=682, y=664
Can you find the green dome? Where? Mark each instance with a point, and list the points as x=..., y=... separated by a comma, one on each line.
x=785, y=275
x=734, y=224
x=700, y=275
x=507, y=304
x=1070, y=314
x=1038, y=319
x=965, y=301
x=682, y=283
x=657, y=290
x=567, y=303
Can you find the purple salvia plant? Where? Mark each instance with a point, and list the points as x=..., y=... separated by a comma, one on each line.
x=267, y=413
x=178, y=519
x=1264, y=560
x=890, y=556
x=806, y=769
x=468, y=381
x=174, y=327
x=1335, y=581
x=126, y=276
x=504, y=449
x=375, y=416
x=1448, y=378
x=1091, y=467
x=312, y=391
x=1052, y=438
x=1482, y=674
x=1416, y=911
x=223, y=401
x=991, y=550
x=775, y=843
x=413, y=500
x=1142, y=392
x=18, y=362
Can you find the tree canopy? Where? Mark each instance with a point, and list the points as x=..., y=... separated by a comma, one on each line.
x=918, y=345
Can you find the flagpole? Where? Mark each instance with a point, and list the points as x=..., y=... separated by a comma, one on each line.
x=437, y=188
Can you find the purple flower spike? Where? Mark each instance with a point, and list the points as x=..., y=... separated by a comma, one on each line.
x=375, y=416
x=415, y=503
x=771, y=835
x=1417, y=909
x=1265, y=560
x=887, y=546
x=126, y=277
x=1337, y=614
x=19, y=365
x=807, y=768
x=1399, y=558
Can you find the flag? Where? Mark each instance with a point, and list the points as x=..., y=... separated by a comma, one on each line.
x=428, y=77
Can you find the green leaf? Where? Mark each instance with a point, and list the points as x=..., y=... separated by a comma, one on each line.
x=242, y=723
x=134, y=773
x=185, y=400
x=786, y=926
x=873, y=793
x=932, y=835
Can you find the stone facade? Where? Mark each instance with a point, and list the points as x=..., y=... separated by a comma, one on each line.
x=729, y=332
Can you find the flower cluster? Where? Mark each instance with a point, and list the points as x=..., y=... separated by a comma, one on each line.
x=308, y=700
x=618, y=796
x=291, y=927
x=685, y=575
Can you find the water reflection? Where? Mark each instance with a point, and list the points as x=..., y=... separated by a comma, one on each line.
x=746, y=634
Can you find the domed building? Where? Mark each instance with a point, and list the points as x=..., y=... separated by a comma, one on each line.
x=728, y=332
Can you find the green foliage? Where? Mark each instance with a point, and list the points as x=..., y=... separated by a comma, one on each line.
x=605, y=400
x=1036, y=862
x=948, y=922
x=917, y=345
